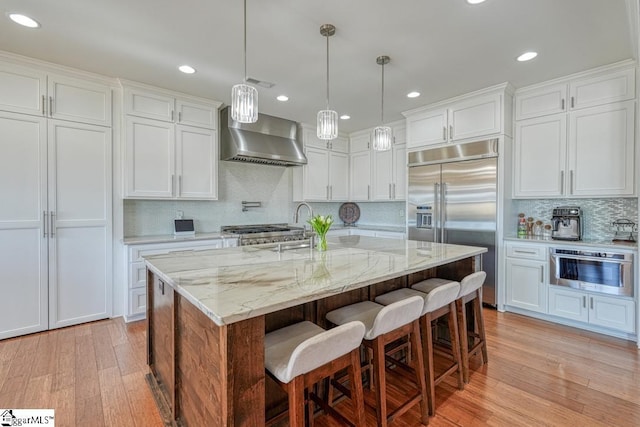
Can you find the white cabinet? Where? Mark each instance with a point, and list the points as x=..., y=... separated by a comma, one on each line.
x=136, y=295
x=389, y=170
x=340, y=144
x=55, y=223
x=474, y=117
x=360, y=172
x=610, y=312
x=169, y=155
x=600, y=88
x=29, y=91
x=526, y=271
x=592, y=156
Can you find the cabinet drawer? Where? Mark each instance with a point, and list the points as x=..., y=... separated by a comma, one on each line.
x=137, y=302
x=136, y=253
x=527, y=251
x=137, y=275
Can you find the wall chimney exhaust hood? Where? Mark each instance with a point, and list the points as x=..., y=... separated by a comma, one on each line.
x=270, y=140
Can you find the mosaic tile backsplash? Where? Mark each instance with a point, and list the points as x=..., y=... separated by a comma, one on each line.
x=598, y=214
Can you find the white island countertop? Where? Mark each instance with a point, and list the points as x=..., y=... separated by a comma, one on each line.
x=233, y=284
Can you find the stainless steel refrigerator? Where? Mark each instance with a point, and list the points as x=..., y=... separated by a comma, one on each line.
x=452, y=199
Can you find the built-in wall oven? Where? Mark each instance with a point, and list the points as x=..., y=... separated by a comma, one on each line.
x=606, y=272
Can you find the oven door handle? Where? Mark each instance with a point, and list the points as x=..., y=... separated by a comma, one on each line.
x=588, y=258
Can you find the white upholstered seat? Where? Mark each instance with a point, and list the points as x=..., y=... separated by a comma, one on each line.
x=441, y=292
x=471, y=282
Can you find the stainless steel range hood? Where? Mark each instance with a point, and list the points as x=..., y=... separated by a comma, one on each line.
x=271, y=140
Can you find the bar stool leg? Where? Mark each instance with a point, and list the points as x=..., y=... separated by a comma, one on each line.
x=416, y=346
x=455, y=339
x=379, y=368
x=427, y=351
x=479, y=315
x=357, y=392
x=464, y=338
x=296, y=402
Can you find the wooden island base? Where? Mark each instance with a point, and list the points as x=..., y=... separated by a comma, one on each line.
x=213, y=375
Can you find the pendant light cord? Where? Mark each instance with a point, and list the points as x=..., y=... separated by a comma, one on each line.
x=327, y=36
x=382, y=100
x=245, y=40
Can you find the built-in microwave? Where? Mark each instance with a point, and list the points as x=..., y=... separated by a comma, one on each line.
x=606, y=272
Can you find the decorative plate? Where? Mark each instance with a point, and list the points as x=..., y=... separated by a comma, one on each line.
x=349, y=213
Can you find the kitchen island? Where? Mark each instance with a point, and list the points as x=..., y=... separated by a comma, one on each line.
x=208, y=312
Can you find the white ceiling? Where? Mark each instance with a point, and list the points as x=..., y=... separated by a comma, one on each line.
x=440, y=48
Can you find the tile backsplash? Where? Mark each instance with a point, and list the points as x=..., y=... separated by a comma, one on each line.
x=598, y=214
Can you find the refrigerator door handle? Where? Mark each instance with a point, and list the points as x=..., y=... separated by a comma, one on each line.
x=443, y=211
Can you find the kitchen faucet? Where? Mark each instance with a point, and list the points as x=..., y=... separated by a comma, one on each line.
x=297, y=212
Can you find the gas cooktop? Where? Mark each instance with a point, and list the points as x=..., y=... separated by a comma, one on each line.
x=264, y=233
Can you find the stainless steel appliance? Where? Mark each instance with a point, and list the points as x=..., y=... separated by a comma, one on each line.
x=567, y=223
x=606, y=272
x=264, y=233
x=452, y=199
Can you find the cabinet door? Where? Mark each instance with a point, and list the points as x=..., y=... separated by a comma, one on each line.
x=339, y=144
x=316, y=176
x=610, y=312
x=541, y=102
x=311, y=140
x=476, y=117
x=79, y=101
x=539, y=157
x=161, y=335
x=196, y=163
x=603, y=89
x=199, y=114
x=601, y=150
x=382, y=179
x=23, y=224
x=568, y=304
x=526, y=287
x=149, y=165
x=359, y=143
x=360, y=171
x=400, y=134
x=22, y=90
x=338, y=176
x=399, y=172
x=428, y=128
x=80, y=286
x=149, y=104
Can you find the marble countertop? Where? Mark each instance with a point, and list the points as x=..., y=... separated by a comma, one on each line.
x=586, y=242
x=393, y=228
x=165, y=238
x=233, y=284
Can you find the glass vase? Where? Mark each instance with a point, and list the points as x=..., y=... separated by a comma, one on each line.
x=321, y=244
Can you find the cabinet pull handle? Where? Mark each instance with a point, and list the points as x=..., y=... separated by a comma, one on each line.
x=52, y=232
x=450, y=131
x=518, y=251
x=562, y=105
x=584, y=301
x=51, y=106
x=394, y=191
x=44, y=223
x=44, y=105
x=591, y=302
x=389, y=191
x=542, y=274
x=573, y=104
x=179, y=116
x=327, y=191
x=331, y=192
x=161, y=287
x=368, y=145
x=444, y=133
x=368, y=192
x=173, y=182
x=561, y=182
x=179, y=185
x=571, y=182
x=172, y=115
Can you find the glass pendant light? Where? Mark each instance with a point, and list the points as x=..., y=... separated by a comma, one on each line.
x=382, y=134
x=244, y=97
x=327, y=119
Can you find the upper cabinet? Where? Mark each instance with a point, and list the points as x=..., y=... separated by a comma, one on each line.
x=171, y=145
x=589, y=91
x=477, y=115
x=582, y=131
x=28, y=91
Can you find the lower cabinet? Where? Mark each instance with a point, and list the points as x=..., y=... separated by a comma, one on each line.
x=136, y=303
x=526, y=285
x=600, y=310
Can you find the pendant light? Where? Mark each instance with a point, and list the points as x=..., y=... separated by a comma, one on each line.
x=327, y=119
x=244, y=98
x=382, y=134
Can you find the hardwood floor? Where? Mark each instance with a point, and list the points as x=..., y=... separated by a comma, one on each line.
x=539, y=374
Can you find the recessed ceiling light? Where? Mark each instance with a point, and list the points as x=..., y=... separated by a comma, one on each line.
x=345, y=117
x=24, y=20
x=527, y=56
x=282, y=98
x=413, y=94
x=187, y=69
x=475, y=1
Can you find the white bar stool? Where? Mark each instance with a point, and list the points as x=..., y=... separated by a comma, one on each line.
x=471, y=292
x=385, y=324
x=300, y=355
x=439, y=296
